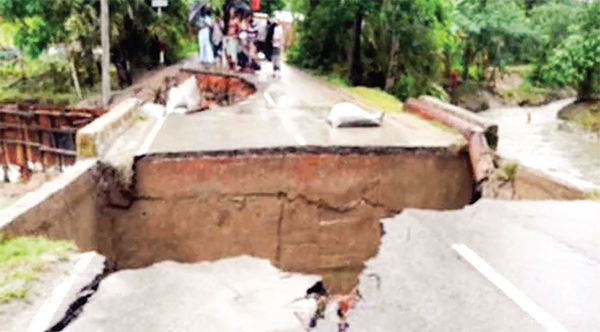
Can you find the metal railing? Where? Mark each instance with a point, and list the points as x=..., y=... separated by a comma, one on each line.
x=44, y=136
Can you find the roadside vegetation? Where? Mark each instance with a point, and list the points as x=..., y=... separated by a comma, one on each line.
x=71, y=29
x=584, y=113
x=371, y=95
x=510, y=170
x=22, y=259
x=49, y=50
x=524, y=52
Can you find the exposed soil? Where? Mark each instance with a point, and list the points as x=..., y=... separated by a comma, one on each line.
x=507, y=90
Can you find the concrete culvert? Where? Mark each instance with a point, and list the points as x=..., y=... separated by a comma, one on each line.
x=309, y=210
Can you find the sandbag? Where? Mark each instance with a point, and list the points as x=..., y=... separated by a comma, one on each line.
x=349, y=115
x=191, y=93
x=175, y=100
x=186, y=96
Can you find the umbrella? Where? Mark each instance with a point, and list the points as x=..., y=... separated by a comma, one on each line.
x=196, y=10
x=241, y=5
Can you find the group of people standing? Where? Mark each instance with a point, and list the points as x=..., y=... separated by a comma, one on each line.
x=236, y=40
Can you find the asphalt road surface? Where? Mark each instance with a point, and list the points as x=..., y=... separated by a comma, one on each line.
x=495, y=266
x=288, y=112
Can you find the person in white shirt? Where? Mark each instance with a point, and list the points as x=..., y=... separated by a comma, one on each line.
x=277, y=48
x=204, y=24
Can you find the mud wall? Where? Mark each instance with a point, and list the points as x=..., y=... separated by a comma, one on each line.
x=314, y=211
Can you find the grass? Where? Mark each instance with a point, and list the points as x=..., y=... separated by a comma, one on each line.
x=378, y=98
x=510, y=170
x=373, y=96
x=523, y=70
x=23, y=258
x=337, y=80
x=44, y=97
x=141, y=117
x=593, y=195
x=48, y=80
x=590, y=118
x=527, y=93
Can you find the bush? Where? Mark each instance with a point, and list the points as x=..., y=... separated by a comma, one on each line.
x=33, y=37
x=414, y=86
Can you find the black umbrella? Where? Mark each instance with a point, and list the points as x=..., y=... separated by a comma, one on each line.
x=196, y=10
x=241, y=6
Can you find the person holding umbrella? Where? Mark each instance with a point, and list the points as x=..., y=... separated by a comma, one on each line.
x=201, y=14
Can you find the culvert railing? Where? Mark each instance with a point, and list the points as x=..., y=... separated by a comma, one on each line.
x=33, y=137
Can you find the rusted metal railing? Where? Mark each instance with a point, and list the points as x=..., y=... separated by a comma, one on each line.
x=44, y=136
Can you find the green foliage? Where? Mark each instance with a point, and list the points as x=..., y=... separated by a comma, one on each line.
x=136, y=32
x=21, y=259
x=420, y=28
x=323, y=36
x=33, y=36
x=7, y=33
x=593, y=195
x=553, y=20
x=271, y=6
x=497, y=32
x=338, y=80
x=378, y=98
x=33, y=33
x=189, y=46
x=589, y=118
x=510, y=170
x=576, y=60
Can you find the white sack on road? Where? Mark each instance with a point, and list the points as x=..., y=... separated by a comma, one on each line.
x=186, y=95
x=350, y=115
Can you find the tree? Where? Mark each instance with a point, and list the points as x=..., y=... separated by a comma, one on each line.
x=576, y=61
x=34, y=32
x=136, y=31
x=489, y=27
x=389, y=44
x=271, y=6
x=323, y=41
x=356, y=71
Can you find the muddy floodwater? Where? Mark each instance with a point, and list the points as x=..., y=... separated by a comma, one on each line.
x=543, y=141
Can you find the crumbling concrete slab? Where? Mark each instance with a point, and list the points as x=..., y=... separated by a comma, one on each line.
x=235, y=294
x=55, y=295
x=547, y=250
x=67, y=299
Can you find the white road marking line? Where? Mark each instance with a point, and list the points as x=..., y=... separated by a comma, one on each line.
x=510, y=290
x=43, y=317
x=84, y=261
x=151, y=136
x=300, y=139
x=269, y=99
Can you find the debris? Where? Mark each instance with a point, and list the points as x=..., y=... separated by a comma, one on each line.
x=186, y=95
x=345, y=303
x=350, y=115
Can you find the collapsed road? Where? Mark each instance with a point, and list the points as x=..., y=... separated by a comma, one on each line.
x=268, y=178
